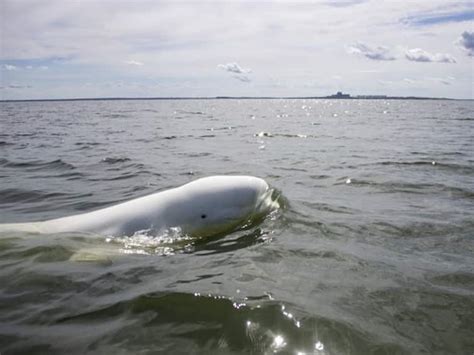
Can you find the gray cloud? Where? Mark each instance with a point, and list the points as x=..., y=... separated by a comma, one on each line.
x=234, y=68
x=420, y=55
x=242, y=78
x=466, y=41
x=450, y=15
x=373, y=53
x=442, y=81
x=343, y=3
x=14, y=86
x=237, y=70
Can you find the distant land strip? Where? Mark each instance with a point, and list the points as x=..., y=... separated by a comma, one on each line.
x=331, y=97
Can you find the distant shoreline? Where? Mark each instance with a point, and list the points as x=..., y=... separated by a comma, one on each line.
x=332, y=97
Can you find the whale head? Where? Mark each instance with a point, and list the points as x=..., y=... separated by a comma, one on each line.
x=219, y=204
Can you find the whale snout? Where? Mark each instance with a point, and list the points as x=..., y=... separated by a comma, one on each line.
x=250, y=197
x=225, y=203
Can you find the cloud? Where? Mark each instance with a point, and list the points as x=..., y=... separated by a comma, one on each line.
x=439, y=18
x=16, y=86
x=237, y=70
x=445, y=81
x=420, y=55
x=343, y=3
x=466, y=42
x=293, y=40
x=373, y=53
x=10, y=67
x=234, y=68
x=134, y=62
x=242, y=78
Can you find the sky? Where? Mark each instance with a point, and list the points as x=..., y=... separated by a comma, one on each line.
x=149, y=48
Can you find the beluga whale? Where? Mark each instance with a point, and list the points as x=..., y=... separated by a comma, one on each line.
x=205, y=207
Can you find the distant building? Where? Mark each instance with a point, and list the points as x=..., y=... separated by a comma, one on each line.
x=339, y=95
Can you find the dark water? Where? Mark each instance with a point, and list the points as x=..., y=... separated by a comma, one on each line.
x=372, y=252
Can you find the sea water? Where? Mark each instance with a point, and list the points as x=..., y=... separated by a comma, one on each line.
x=370, y=253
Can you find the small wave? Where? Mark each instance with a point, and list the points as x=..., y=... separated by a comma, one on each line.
x=396, y=163
x=414, y=188
x=285, y=135
x=458, y=168
x=85, y=145
x=171, y=137
x=41, y=254
x=123, y=171
x=422, y=229
x=114, y=115
x=426, y=154
x=256, y=324
x=225, y=128
x=196, y=155
x=123, y=176
x=189, y=112
x=464, y=119
x=460, y=279
x=68, y=175
x=239, y=240
x=320, y=177
x=21, y=195
x=115, y=160
x=328, y=208
x=25, y=134
x=36, y=165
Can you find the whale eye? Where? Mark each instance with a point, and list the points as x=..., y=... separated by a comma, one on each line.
x=203, y=216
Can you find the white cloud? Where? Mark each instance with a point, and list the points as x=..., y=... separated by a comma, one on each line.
x=370, y=52
x=10, y=67
x=134, y=62
x=237, y=70
x=234, y=68
x=466, y=42
x=420, y=55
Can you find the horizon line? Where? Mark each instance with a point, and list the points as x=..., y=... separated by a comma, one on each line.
x=330, y=97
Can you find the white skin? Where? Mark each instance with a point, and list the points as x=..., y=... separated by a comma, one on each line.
x=204, y=207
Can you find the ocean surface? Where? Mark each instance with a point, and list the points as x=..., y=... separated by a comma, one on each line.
x=371, y=252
